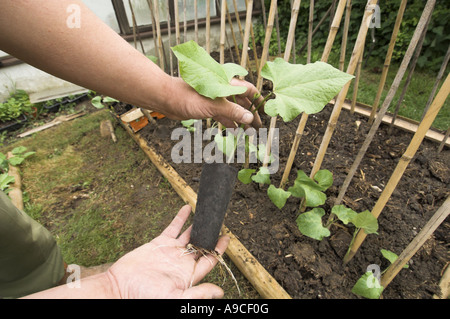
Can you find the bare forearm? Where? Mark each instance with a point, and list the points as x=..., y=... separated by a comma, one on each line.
x=94, y=287
x=93, y=55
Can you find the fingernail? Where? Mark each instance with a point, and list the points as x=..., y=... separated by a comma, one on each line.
x=247, y=118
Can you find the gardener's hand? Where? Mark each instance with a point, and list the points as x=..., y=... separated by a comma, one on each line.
x=186, y=103
x=163, y=269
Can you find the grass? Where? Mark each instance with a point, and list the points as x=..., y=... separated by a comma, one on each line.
x=101, y=199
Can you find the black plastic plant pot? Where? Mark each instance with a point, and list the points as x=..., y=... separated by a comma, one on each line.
x=13, y=125
x=53, y=108
x=217, y=182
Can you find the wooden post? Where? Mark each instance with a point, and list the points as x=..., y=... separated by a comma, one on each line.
x=387, y=60
x=304, y=117
x=416, y=243
x=403, y=163
x=230, y=22
x=388, y=100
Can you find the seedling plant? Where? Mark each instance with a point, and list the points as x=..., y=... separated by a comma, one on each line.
x=296, y=88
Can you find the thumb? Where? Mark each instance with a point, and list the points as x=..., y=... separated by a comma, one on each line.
x=203, y=291
x=232, y=112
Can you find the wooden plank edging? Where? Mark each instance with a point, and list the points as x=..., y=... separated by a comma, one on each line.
x=249, y=266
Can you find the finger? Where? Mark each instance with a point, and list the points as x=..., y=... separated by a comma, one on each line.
x=203, y=291
x=178, y=222
x=206, y=263
x=234, y=112
x=185, y=236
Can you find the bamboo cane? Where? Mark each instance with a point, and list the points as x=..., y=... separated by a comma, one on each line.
x=438, y=217
x=222, y=31
x=208, y=26
x=263, y=9
x=387, y=60
x=184, y=21
x=169, y=34
x=310, y=30
x=195, y=21
x=177, y=22
x=334, y=26
x=368, y=12
x=158, y=34
x=410, y=74
x=230, y=22
x=403, y=163
x=438, y=80
x=441, y=145
x=356, y=83
x=135, y=29
x=265, y=53
x=277, y=28
x=316, y=29
x=348, y=10
x=387, y=101
x=304, y=117
x=287, y=53
x=246, y=38
x=150, y=6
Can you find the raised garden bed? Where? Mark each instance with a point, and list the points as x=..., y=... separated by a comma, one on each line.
x=307, y=268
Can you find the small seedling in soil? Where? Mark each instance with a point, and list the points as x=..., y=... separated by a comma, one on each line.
x=368, y=286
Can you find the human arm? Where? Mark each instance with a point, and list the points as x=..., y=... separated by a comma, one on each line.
x=158, y=269
x=96, y=57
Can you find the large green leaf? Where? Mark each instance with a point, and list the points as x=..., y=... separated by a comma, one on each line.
x=344, y=214
x=245, y=175
x=263, y=176
x=5, y=180
x=365, y=220
x=301, y=88
x=278, y=196
x=310, y=224
x=204, y=74
x=305, y=187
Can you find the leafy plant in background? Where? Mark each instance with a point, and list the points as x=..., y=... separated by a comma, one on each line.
x=17, y=104
x=98, y=101
x=19, y=155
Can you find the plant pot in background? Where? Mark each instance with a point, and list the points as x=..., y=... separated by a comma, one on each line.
x=13, y=125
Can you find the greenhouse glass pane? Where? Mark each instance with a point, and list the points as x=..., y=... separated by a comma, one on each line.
x=142, y=11
x=190, y=12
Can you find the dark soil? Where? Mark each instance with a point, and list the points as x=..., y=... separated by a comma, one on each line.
x=307, y=268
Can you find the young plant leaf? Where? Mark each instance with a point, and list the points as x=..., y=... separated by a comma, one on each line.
x=368, y=286
x=344, y=214
x=97, y=102
x=245, y=175
x=324, y=178
x=262, y=177
x=392, y=257
x=310, y=224
x=18, y=150
x=365, y=220
x=305, y=187
x=225, y=144
x=5, y=180
x=278, y=196
x=301, y=88
x=204, y=74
